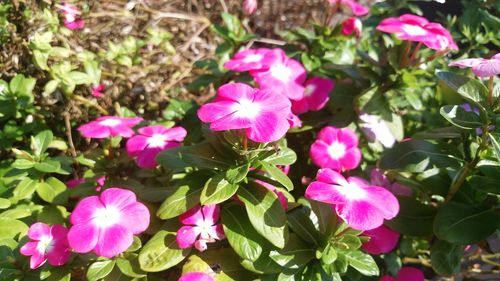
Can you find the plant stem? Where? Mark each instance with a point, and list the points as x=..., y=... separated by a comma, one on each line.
x=490, y=93
x=90, y=103
x=414, y=53
x=404, y=59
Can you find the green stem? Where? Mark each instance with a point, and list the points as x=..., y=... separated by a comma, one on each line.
x=490, y=93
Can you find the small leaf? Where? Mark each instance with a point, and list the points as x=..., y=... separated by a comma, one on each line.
x=41, y=142
x=130, y=266
x=53, y=191
x=100, y=269
x=24, y=189
x=278, y=175
x=217, y=190
x=300, y=222
x=294, y=255
x=495, y=141
x=459, y=117
x=161, y=252
x=285, y=156
x=48, y=166
x=364, y=263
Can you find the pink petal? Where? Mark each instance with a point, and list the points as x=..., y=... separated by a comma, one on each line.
x=147, y=157
x=351, y=159
x=196, y=276
x=217, y=232
x=29, y=249
x=211, y=213
x=129, y=121
x=331, y=177
x=235, y=92
x=488, y=68
x=360, y=215
x=326, y=193
x=58, y=255
x=37, y=260
x=113, y=241
x=268, y=127
x=176, y=134
x=320, y=95
x=408, y=273
x=356, y=8
x=136, y=218
x=153, y=130
x=85, y=209
x=201, y=245
x=186, y=236
x=192, y=216
x=466, y=63
x=136, y=144
x=94, y=130
x=347, y=137
x=329, y=134
x=321, y=157
x=382, y=240
x=83, y=238
x=38, y=230
x=59, y=233
x=271, y=102
x=122, y=131
x=384, y=200
x=118, y=197
x=387, y=278
x=216, y=112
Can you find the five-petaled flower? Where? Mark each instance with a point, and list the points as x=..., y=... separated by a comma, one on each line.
x=48, y=243
x=200, y=227
x=151, y=141
x=106, y=224
x=361, y=206
x=316, y=95
x=106, y=126
x=481, y=67
x=263, y=114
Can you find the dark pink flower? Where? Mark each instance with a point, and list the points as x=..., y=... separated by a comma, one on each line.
x=200, y=227
x=361, y=206
x=106, y=224
x=415, y=28
x=97, y=91
x=72, y=18
x=352, y=25
x=72, y=183
x=353, y=6
x=406, y=273
x=47, y=243
x=316, y=95
x=481, y=67
x=262, y=113
x=249, y=6
x=284, y=76
x=151, y=141
x=254, y=59
x=196, y=276
x=106, y=126
x=382, y=240
x=336, y=149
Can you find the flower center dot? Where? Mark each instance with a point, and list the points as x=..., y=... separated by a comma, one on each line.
x=336, y=150
x=281, y=72
x=156, y=140
x=246, y=108
x=44, y=244
x=414, y=30
x=107, y=216
x=110, y=122
x=252, y=58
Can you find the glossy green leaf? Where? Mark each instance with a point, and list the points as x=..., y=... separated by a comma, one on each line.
x=202, y=156
x=459, y=117
x=161, y=252
x=414, y=218
x=446, y=258
x=294, y=255
x=100, y=269
x=24, y=189
x=300, y=222
x=362, y=262
x=48, y=166
x=9, y=227
x=41, y=142
x=53, y=191
x=278, y=175
x=130, y=266
x=285, y=156
x=217, y=189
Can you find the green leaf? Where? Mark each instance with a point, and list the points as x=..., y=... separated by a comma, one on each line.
x=294, y=255
x=237, y=174
x=48, y=166
x=202, y=156
x=161, y=252
x=217, y=189
x=53, y=191
x=285, y=156
x=299, y=220
x=41, y=142
x=278, y=175
x=24, y=189
x=459, y=117
x=465, y=224
x=100, y=269
x=264, y=264
x=244, y=240
x=4, y=203
x=472, y=90
x=265, y=213
x=495, y=141
x=23, y=164
x=325, y=217
x=50, y=87
x=446, y=258
x=80, y=78
x=414, y=218
x=130, y=266
x=9, y=228
x=364, y=263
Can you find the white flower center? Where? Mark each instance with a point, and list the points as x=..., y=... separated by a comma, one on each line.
x=414, y=30
x=253, y=58
x=246, y=108
x=309, y=90
x=353, y=192
x=205, y=229
x=156, y=140
x=281, y=72
x=107, y=216
x=336, y=150
x=44, y=244
x=110, y=122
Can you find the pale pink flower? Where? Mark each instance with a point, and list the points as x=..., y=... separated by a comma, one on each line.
x=361, y=206
x=48, y=243
x=249, y=6
x=106, y=224
x=72, y=18
x=406, y=273
x=151, y=141
x=196, y=276
x=352, y=25
x=376, y=129
x=415, y=28
x=316, y=95
x=481, y=67
x=200, y=227
x=263, y=114
x=106, y=126
x=336, y=149
x=378, y=178
x=97, y=91
x=353, y=6
x=284, y=76
x=254, y=59
x=382, y=240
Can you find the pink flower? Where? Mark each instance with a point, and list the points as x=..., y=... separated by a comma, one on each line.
x=199, y=227
x=106, y=126
x=316, y=95
x=284, y=76
x=281, y=196
x=97, y=91
x=352, y=25
x=249, y=6
x=361, y=206
x=106, y=224
x=481, y=67
x=376, y=129
x=254, y=59
x=47, y=243
x=414, y=28
x=379, y=179
x=72, y=183
x=263, y=114
x=72, y=18
x=151, y=141
x=76, y=24
x=352, y=5
x=294, y=121
x=336, y=149
x=406, y=273
x=382, y=240
x=196, y=276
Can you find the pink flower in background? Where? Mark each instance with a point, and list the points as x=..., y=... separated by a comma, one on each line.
x=254, y=59
x=106, y=224
x=263, y=114
x=316, y=95
x=200, y=227
x=284, y=76
x=281, y=196
x=415, y=28
x=351, y=5
x=376, y=129
x=47, y=243
x=72, y=183
x=249, y=6
x=382, y=240
x=352, y=25
x=336, y=149
x=361, y=206
x=106, y=126
x=151, y=141
x=481, y=67
x=72, y=18
x=196, y=276
x=97, y=91
x=379, y=179
x=406, y=273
